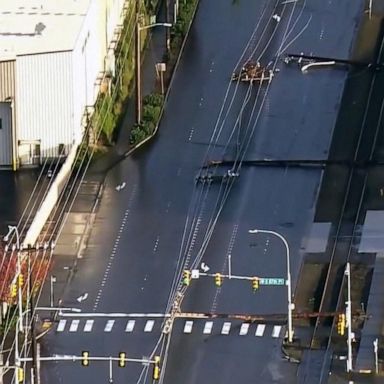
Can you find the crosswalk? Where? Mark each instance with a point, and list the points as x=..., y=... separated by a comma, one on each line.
x=207, y=327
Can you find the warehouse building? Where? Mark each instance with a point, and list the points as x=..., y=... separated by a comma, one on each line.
x=53, y=57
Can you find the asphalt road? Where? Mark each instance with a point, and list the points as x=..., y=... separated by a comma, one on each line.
x=135, y=244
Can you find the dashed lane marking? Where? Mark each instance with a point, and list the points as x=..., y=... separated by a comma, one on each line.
x=260, y=330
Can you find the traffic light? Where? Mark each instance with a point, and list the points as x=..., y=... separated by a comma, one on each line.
x=13, y=290
x=341, y=324
x=20, y=375
x=255, y=283
x=85, y=360
x=122, y=356
x=186, y=277
x=156, y=368
x=21, y=280
x=218, y=280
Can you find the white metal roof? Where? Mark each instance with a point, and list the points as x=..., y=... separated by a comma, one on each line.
x=37, y=26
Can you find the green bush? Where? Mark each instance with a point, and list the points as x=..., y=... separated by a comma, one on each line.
x=152, y=105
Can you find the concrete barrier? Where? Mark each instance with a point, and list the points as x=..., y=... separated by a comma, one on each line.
x=50, y=200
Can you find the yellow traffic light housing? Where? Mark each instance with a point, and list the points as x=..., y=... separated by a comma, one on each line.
x=341, y=324
x=156, y=368
x=21, y=280
x=122, y=356
x=85, y=360
x=255, y=283
x=218, y=279
x=20, y=375
x=186, y=277
x=13, y=290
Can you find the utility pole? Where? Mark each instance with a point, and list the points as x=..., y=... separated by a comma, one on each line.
x=1, y=368
x=33, y=330
x=138, y=64
x=370, y=9
x=349, y=318
x=36, y=370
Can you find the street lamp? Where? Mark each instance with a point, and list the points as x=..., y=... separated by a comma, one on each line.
x=11, y=229
x=289, y=284
x=138, y=59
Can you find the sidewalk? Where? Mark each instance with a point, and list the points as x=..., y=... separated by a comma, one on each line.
x=154, y=53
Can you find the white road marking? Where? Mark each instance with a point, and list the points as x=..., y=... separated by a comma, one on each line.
x=208, y=327
x=244, y=329
x=74, y=325
x=61, y=325
x=109, y=325
x=188, y=326
x=276, y=331
x=130, y=326
x=149, y=325
x=226, y=328
x=260, y=330
x=88, y=325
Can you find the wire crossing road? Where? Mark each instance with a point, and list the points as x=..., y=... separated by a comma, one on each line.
x=163, y=221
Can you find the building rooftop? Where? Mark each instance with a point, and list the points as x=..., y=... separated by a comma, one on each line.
x=38, y=26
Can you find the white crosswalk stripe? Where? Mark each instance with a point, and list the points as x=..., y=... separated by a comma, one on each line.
x=88, y=325
x=208, y=327
x=130, y=326
x=61, y=325
x=109, y=325
x=226, y=328
x=74, y=325
x=260, y=330
x=276, y=331
x=149, y=325
x=188, y=326
x=244, y=329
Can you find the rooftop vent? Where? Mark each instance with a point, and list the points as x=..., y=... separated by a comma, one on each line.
x=39, y=27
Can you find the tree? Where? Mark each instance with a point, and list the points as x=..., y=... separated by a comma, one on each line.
x=39, y=265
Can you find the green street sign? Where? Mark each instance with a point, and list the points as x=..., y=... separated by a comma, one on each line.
x=272, y=281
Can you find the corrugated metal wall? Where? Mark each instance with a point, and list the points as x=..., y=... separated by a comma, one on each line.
x=7, y=80
x=5, y=134
x=45, y=101
x=7, y=102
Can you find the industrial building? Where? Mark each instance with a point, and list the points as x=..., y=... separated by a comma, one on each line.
x=53, y=57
